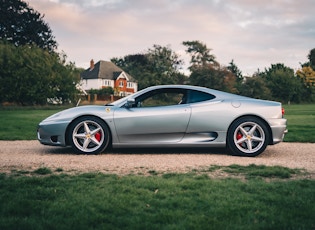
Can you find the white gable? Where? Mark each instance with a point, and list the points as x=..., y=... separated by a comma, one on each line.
x=123, y=75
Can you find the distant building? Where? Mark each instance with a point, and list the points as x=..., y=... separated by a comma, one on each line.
x=106, y=74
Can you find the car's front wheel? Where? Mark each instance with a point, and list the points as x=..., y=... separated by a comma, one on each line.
x=89, y=135
x=247, y=136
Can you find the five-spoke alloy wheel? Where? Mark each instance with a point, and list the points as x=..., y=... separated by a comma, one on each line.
x=247, y=136
x=89, y=135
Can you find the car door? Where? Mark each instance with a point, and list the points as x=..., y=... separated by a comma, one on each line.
x=157, y=123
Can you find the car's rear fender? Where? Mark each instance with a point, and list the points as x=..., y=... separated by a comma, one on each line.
x=270, y=141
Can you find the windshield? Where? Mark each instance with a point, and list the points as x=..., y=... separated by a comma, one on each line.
x=118, y=101
x=115, y=103
x=121, y=100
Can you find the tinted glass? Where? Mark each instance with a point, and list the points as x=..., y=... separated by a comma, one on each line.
x=198, y=96
x=161, y=97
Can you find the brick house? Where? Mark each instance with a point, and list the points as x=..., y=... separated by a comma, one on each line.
x=106, y=74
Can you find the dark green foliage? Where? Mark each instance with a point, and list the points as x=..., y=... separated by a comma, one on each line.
x=207, y=72
x=32, y=76
x=21, y=25
x=255, y=87
x=213, y=77
x=311, y=58
x=31, y=72
x=104, y=91
x=283, y=83
x=157, y=66
x=200, y=54
x=236, y=71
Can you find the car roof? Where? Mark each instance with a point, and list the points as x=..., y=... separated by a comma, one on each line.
x=217, y=93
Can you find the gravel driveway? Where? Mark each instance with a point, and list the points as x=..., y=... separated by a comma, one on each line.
x=31, y=155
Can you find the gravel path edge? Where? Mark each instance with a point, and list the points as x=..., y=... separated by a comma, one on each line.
x=31, y=155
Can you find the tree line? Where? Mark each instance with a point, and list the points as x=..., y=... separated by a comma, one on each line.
x=32, y=72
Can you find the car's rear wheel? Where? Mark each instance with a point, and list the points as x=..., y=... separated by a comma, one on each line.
x=89, y=135
x=247, y=136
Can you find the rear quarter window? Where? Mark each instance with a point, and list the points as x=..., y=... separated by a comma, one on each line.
x=198, y=96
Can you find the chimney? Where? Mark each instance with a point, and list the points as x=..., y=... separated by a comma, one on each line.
x=91, y=64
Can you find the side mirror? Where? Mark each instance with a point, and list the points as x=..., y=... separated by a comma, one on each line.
x=130, y=102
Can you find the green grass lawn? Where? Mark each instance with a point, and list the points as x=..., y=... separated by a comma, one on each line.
x=21, y=124
x=301, y=123
x=43, y=199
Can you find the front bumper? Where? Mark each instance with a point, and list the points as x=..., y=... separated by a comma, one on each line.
x=52, y=134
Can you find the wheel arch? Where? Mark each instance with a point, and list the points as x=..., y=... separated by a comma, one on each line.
x=87, y=115
x=255, y=116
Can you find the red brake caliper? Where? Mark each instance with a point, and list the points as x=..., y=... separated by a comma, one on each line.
x=239, y=136
x=98, y=136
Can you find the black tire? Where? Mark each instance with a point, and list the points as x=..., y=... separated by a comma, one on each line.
x=88, y=135
x=247, y=136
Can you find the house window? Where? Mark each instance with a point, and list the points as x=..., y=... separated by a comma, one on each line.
x=121, y=84
x=130, y=85
x=106, y=83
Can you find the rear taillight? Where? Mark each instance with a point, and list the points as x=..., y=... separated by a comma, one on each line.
x=283, y=112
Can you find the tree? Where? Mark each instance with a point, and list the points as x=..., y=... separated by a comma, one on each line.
x=255, y=87
x=30, y=75
x=159, y=65
x=64, y=79
x=283, y=84
x=236, y=71
x=200, y=54
x=206, y=71
x=22, y=25
x=307, y=75
x=213, y=77
x=164, y=61
x=311, y=58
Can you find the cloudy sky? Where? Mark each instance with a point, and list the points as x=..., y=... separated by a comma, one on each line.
x=254, y=33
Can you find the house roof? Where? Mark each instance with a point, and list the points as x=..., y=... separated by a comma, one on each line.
x=104, y=70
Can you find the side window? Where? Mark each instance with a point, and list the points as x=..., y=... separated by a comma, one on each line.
x=198, y=96
x=161, y=97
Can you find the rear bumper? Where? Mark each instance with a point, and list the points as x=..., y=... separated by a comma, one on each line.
x=278, y=129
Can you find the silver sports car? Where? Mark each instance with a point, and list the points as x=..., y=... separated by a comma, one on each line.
x=169, y=116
